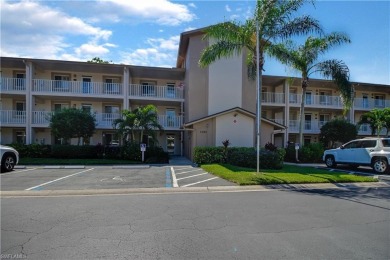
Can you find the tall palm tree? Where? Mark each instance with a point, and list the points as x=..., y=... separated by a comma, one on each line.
x=143, y=120
x=305, y=59
x=275, y=22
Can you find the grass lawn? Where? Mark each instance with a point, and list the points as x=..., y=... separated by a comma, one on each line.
x=287, y=175
x=51, y=161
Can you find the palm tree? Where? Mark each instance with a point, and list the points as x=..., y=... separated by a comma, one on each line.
x=274, y=21
x=305, y=59
x=142, y=119
x=376, y=119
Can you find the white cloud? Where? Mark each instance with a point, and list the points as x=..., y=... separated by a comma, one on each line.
x=43, y=32
x=160, y=53
x=192, y=5
x=189, y=29
x=227, y=8
x=159, y=11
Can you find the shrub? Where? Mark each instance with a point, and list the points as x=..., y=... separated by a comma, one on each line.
x=206, y=155
x=32, y=150
x=246, y=157
x=270, y=147
x=74, y=151
x=131, y=151
x=290, y=153
x=156, y=154
x=153, y=154
x=311, y=153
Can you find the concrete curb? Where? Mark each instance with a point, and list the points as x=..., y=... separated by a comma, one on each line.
x=54, y=193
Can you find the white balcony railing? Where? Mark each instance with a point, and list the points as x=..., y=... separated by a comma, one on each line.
x=77, y=87
x=317, y=100
x=273, y=98
x=368, y=104
x=365, y=129
x=12, y=117
x=105, y=120
x=151, y=91
x=170, y=121
x=313, y=126
x=41, y=117
x=12, y=84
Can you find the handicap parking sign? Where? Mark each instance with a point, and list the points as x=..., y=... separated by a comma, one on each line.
x=143, y=147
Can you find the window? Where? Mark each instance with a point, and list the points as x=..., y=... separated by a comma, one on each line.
x=365, y=101
x=111, y=86
x=264, y=97
x=306, y=140
x=170, y=144
x=379, y=100
x=386, y=142
x=20, y=81
x=351, y=145
x=324, y=118
x=308, y=98
x=293, y=96
x=368, y=144
x=170, y=90
x=60, y=106
x=87, y=84
x=308, y=122
x=325, y=98
x=61, y=83
x=148, y=89
x=111, y=112
x=21, y=137
x=170, y=116
x=86, y=107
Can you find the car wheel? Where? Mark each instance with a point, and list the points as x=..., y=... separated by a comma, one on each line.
x=330, y=162
x=380, y=165
x=8, y=163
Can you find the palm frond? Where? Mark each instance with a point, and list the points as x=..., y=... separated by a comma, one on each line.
x=221, y=49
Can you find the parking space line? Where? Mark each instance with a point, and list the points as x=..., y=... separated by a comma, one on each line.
x=38, y=187
x=189, y=171
x=6, y=173
x=192, y=176
x=174, y=180
x=191, y=184
x=168, y=179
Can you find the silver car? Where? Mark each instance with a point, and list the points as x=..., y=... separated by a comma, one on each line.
x=9, y=158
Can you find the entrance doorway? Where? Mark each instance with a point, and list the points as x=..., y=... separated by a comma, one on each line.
x=171, y=144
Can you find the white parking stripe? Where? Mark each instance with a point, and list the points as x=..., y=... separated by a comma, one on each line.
x=174, y=180
x=46, y=183
x=191, y=184
x=189, y=171
x=191, y=176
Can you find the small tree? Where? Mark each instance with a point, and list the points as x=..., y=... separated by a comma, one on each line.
x=337, y=130
x=377, y=119
x=72, y=123
x=98, y=60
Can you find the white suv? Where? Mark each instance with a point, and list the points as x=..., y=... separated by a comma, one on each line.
x=9, y=158
x=374, y=152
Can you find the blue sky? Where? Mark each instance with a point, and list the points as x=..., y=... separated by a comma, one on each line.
x=146, y=32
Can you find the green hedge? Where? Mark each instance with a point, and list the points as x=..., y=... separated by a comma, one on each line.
x=32, y=150
x=74, y=151
x=240, y=156
x=311, y=153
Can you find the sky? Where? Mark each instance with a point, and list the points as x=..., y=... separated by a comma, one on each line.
x=147, y=32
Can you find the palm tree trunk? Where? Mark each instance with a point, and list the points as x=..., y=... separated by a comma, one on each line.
x=305, y=82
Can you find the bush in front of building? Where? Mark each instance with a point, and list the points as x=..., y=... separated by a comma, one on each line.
x=153, y=154
x=240, y=156
x=207, y=155
x=73, y=151
x=311, y=153
x=32, y=150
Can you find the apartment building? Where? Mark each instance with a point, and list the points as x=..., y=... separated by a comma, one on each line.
x=196, y=106
x=32, y=89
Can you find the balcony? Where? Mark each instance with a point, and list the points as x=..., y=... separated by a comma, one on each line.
x=316, y=101
x=12, y=117
x=155, y=92
x=365, y=129
x=368, y=104
x=170, y=122
x=77, y=87
x=309, y=127
x=12, y=85
x=272, y=98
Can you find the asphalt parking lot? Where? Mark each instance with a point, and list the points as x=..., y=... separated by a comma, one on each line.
x=107, y=177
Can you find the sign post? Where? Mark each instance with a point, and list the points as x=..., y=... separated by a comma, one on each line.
x=143, y=149
x=296, y=151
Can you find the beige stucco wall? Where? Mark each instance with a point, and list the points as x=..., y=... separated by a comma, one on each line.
x=235, y=127
x=5, y=135
x=266, y=131
x=225, y=84
x=196, y=82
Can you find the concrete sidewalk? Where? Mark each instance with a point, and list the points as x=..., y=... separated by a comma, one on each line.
x=180, y=160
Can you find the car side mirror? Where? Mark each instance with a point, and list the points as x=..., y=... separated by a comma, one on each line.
x=342, y=147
